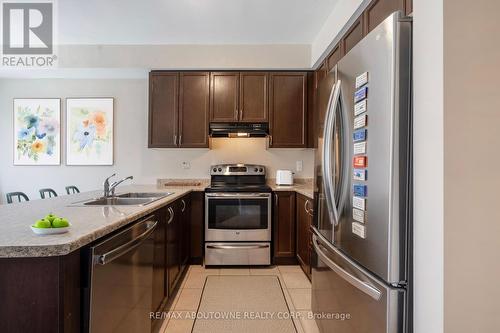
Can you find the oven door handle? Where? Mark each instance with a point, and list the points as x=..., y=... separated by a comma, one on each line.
x=244, y=247
x=238, y=195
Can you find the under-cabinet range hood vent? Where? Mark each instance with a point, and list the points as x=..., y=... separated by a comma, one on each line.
x=239, y=130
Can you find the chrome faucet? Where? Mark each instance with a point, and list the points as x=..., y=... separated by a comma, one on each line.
x=109, y=189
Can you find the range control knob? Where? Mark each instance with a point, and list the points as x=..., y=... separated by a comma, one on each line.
x=256, y=169
x=261, y=169
x=220, y=169
x=214, y=169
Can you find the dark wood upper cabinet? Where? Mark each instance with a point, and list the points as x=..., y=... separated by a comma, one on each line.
x=352, y=36
x=224, y=96
x=288, y=109
x=379, y=10
x=194, y=108
x=253, y=99
x=284, y=228
x=334, y=57
x=409, y=7
x=163, y=109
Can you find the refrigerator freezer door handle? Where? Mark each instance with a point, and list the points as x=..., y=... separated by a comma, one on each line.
x=328, y=168
x=363, y=286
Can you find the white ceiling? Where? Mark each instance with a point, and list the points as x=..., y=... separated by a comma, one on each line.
x=191, y=21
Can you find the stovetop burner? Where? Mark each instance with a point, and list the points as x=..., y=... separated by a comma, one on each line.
x=238, y=178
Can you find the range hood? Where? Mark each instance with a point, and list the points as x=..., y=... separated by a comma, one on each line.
x=239, y=130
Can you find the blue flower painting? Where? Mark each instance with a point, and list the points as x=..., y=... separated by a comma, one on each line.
x=37, y=131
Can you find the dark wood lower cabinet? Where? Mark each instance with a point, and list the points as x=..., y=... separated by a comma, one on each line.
x=41, y=294
x=304, y=220
x=284, y=228
x=197, y=224
x=185, y=239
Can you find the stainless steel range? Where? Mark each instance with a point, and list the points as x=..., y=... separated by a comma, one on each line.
x=238, y=216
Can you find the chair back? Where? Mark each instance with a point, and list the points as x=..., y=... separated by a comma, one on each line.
x=47, y=193
x=72, y=189
x=20, y=196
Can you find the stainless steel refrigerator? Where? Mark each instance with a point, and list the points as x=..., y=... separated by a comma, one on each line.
x=362, y=233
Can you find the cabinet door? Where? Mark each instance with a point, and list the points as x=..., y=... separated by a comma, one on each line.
x=352, y=36
x=163, y=109
x=334, y=57
x=287, y=109
x=379, y=10
x=320, y=74
x=159, y=262
x=194, y=108
x=197, y=221
x=224, y=96
x=284, y=228
x=409, y=7
x=253, y=97
x=185, y=234
x=172, y=247
x=304, y=220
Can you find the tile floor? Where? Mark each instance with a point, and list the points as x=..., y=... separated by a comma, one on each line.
x=296, y=287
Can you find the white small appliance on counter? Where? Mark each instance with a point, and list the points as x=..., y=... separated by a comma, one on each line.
x=284, y=177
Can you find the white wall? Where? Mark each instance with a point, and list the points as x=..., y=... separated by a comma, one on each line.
x=428, y=165
x=132, y=157
x=333, y=28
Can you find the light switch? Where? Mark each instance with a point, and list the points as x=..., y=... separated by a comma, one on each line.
x=299, y=166
x=186, y=165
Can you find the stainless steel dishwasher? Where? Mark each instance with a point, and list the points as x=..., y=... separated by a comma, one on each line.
x=121, y=278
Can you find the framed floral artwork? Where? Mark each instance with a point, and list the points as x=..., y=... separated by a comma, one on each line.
x=89, y=126
x=37, y=131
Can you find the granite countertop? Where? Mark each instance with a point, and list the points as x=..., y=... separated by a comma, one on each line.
x=88, y=223
x=302, y=186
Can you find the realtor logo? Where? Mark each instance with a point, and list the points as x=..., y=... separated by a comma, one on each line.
x=28, y=34
x=27, y=28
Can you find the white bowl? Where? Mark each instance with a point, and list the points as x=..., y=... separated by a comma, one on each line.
x=50, y=231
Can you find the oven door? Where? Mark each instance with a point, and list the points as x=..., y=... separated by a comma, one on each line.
x=237, y=217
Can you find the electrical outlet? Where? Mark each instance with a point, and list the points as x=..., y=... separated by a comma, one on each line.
x=186, y=165
x=299, y=166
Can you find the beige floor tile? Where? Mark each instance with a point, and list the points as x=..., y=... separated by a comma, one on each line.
x=296, y=280
x=235, y=271
x=301, y=298
x=308, y=325
x=264, y=271
x=195, y=280
x=179, y=325
x=189, y=299
x=290, y=269
x=204, y=269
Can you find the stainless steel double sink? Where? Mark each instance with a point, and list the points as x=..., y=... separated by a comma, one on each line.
x=126, y=199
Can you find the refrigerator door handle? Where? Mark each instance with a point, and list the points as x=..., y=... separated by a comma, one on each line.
x=329, y=168
x=354, y=281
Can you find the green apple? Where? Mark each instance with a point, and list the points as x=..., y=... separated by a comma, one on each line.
x=43, y=223
x=50, y=217
x=60, y=223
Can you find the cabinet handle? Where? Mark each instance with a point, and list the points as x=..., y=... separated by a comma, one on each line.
x=270, y=140
x=236, y=114
x=171, y=218
x=180, y=139
x=309, y=211
x=175, y=139
x=241, y=114
x=183, y=205
x=276, y=201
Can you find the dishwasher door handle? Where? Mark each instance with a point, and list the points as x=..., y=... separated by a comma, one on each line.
x=117, y=252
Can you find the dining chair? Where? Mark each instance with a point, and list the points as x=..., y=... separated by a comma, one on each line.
x=72, y=190
x=20, y=196
x=47, y=192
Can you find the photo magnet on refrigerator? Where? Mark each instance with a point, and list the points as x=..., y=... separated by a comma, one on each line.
x=358, y=215
x=359, y=162
x=360, y=107
x=359, y=230
x=360, y=94
x=360, y=148
x=360, y=121
x=358, y=202
x=359, y=174
x=359, y=135
x=360, y=190
x=361, y=80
